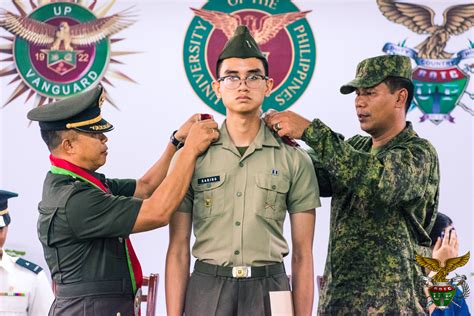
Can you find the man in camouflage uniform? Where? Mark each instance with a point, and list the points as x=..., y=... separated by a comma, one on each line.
x=384, y=192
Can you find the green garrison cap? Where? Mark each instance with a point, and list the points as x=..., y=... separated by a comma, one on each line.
x=242, y=45
x=80, y=112
x=372, y=71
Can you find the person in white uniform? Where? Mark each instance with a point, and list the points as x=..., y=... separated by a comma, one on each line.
x=24, y=287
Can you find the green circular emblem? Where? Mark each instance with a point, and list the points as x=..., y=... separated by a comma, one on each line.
x=280, y=29
x=62, y=68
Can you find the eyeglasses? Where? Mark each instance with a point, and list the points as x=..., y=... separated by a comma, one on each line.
x=233, y=82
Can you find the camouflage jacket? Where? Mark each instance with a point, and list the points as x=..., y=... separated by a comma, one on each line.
x=382, y=209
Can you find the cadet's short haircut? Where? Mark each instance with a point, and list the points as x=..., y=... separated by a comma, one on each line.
x=219, y=64
x=397, y=83
x=52, y=138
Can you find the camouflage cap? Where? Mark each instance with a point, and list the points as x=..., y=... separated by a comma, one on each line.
x=80, y=112
x=242, y=45
x=372, y=71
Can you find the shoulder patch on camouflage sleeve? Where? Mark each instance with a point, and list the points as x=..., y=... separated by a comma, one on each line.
x=29, y=265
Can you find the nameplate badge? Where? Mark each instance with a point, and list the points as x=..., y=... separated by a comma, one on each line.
x=209, y=180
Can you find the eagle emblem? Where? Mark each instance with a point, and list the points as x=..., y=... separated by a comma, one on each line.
x=442, y=268
x=444, y=291
x=280, y=29
x=420, y=19
x=262, y=31
x=64, y=36
x=62, y=47
x=440, y=79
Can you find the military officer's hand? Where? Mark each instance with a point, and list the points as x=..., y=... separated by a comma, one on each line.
x=286, y=123
x=201, y=135
x=183, y=131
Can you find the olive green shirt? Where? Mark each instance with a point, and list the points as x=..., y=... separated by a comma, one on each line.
x=239, y=203
x=383, y=207
x=81, y=228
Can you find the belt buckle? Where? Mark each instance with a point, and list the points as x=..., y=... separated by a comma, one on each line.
x=241, y=272
x=137, y=302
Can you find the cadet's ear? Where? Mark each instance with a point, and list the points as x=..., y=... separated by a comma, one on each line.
x=269, y=87
x=215, y=88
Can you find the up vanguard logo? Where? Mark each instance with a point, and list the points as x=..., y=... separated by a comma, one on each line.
x=61, y=48
x=280, y=29
x=440, y=80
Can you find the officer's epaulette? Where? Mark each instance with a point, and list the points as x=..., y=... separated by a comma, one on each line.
x=29, y=265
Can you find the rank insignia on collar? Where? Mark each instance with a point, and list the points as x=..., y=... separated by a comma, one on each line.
x=274, y=172
x=209, y=180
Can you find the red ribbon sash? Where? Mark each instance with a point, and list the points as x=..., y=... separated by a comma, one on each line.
x=134, y=266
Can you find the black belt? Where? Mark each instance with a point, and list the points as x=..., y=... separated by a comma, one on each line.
x=92, y=288
x=239, y=272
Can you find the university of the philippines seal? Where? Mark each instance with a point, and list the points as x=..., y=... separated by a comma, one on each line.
x=280, y=29
x=61, y=48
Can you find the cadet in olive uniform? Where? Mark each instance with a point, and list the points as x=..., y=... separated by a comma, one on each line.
x=85, y=218
x=241, y=190
x=24, y=288
x=384, y=192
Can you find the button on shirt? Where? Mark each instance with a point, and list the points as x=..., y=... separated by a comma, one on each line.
x=23, y=292
x=239, y=203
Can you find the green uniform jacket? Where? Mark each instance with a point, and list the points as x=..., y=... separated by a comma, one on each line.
x=383, y=207
x=81, y=229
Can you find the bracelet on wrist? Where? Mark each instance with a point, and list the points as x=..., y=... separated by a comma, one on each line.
x=430, y=302
x=177, y=143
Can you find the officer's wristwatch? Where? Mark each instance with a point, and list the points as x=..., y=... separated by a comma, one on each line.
x=175, y=141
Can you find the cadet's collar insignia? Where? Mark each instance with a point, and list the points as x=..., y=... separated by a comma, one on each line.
x=209, y=180
x=274, y=172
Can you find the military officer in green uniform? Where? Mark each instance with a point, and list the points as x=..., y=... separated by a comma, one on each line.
x=85, y=219
x=384, y=190
x=240, y=192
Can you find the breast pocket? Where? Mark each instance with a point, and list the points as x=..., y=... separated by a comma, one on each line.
x=271, y=196
x=209, y=196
